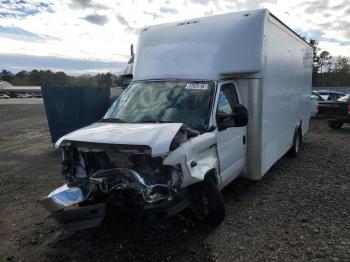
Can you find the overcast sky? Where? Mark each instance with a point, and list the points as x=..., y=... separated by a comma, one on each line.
x=89, y=36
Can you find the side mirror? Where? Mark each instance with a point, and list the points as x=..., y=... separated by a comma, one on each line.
x=239, y=118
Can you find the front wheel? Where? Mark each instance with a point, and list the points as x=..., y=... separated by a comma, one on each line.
x=208, y=203
x=334, y=124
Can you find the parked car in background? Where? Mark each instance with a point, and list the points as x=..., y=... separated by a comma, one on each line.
x=329, y=95
x=24, y=96
x=315, y=98
x=336, y=112
x=3, y=96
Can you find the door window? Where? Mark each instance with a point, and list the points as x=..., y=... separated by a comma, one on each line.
x=227, y=100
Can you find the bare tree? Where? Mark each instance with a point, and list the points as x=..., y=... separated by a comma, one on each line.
x=342, y=65
x=324, y=59
x=315, y=49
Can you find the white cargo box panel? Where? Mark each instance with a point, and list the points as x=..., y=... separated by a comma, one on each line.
x=286, y=88
x=202, y=48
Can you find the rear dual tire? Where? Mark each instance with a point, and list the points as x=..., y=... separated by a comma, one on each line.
x=297, y=141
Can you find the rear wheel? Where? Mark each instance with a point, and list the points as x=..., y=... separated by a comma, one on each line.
x=334, y=124
x=294, y=150
x=208, y=203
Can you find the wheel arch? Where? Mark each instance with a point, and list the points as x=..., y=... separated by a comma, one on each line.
x=214, y=175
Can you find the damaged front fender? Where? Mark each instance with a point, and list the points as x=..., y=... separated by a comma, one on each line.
x=197, y=157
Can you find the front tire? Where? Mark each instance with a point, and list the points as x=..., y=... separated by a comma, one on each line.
x=335, y=124
x=208, y=203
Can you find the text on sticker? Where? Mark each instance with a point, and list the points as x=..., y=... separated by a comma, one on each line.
x=197, y=86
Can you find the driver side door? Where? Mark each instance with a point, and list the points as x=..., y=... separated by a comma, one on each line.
x=231, y=141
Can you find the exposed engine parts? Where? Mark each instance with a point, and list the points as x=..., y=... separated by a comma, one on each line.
x=97, y=174
x=109, y=169
x=151, y=188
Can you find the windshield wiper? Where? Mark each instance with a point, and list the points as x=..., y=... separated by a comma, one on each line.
x=113, y=120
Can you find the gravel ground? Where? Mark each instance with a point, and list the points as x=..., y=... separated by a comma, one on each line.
x=298, y=212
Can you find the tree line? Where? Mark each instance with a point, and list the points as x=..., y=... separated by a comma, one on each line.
x=327, y=71
x=49, y=78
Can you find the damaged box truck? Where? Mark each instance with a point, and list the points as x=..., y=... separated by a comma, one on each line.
x=212, y=99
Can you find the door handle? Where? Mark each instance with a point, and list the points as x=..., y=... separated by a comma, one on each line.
x=244, y=140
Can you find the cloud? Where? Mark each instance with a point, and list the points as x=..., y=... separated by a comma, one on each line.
x=121, y=19
x=216, y=3
x=18, y=62
x=153, y=14
x=311, y=34
x=341, y=25
x=229, y=5
x=29, y=26
x=83, y=4
x=332, y=40
x=128, y=27
x=96, y=19
x=201, y=2
x=312, y=7
x=23, y=8
x=17, y=33
x=165, y=10
x=316, y=6
x=334, y=48
x=320, y=36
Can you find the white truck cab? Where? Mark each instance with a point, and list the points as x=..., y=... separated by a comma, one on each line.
x=212, y=99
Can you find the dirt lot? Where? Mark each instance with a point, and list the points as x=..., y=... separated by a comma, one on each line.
x=299, y=211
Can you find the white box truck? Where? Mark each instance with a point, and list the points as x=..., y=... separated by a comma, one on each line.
x=212, y=99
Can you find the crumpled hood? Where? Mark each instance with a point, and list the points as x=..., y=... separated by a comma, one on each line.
x=157, y=136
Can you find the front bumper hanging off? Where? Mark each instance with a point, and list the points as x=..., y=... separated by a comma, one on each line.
x=82, y=206
x=65, y=205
